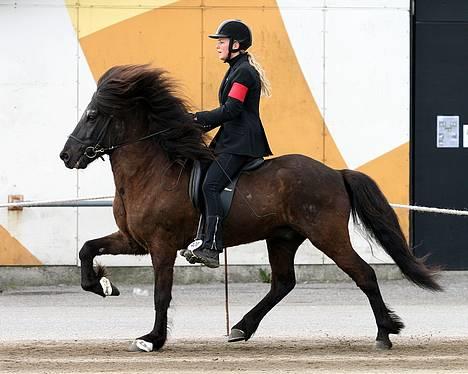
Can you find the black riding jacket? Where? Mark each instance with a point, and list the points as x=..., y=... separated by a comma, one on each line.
x=241, y=131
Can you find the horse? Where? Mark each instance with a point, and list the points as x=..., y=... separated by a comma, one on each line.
x=138, y=118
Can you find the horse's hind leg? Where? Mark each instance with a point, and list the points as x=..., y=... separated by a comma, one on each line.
x=281, y=251
x=338, y=247
x=114, y=244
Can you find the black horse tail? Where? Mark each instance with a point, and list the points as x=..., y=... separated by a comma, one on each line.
x=380, y=221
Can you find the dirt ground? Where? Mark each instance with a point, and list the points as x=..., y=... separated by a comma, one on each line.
x=319, y=328
x=409, y=355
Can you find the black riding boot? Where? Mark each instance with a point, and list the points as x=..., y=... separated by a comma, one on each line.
x=208, y=252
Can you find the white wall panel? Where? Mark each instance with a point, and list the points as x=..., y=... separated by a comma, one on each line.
x=354, y=4
x=38, y=101
x=367, y=81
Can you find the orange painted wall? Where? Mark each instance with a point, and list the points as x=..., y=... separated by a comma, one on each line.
x=12, y=252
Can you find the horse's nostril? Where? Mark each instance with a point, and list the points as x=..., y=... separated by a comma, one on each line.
x=64, y=156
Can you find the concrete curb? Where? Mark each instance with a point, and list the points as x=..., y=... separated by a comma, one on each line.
x=31, y=276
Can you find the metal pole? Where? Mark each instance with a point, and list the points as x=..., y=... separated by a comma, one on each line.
x=226, y=290
x=16, y=202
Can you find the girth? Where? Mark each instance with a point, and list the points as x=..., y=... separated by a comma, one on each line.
x=196, y=179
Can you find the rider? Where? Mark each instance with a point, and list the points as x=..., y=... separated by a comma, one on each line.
x=241, y=136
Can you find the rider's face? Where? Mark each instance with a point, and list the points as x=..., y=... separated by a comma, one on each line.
x=222, y=47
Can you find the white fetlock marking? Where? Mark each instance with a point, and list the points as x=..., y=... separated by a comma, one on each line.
x=195, y=244
x=106, y=286
x=144, y=345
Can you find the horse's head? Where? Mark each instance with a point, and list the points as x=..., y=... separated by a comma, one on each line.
x=89, y=139
x=102, y=127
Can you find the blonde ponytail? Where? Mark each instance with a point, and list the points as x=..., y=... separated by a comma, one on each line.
x=266, y=86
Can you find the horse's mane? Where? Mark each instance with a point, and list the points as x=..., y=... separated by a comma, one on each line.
x=151, y=96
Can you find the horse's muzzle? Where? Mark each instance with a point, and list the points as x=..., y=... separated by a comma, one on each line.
x=65, y=156
x=73, y=158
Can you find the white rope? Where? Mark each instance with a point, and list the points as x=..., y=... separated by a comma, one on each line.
x=432, y=210
x=41, y=202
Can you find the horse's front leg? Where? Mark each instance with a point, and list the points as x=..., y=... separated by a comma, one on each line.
x=163, y=266
x=114, y=244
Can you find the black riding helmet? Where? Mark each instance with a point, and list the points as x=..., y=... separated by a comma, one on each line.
x=234, y=29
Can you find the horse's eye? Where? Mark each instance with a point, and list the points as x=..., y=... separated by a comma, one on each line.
x=91, y=115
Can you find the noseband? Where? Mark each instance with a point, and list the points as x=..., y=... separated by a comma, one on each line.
x=97, y=150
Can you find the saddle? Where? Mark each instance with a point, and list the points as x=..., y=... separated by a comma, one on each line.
x=196, y=178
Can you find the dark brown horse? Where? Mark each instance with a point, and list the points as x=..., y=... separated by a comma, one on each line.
x=136, y=117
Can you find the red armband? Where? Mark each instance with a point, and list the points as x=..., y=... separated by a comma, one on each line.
x=238, y=91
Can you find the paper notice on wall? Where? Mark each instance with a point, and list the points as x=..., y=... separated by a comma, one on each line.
x=448, y=131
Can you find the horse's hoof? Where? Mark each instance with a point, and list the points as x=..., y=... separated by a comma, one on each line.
x=108, y=288
x=383, y=345
x=236, y=335
x=140, y=345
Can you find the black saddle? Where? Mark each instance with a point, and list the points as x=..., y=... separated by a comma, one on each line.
x=196, y=178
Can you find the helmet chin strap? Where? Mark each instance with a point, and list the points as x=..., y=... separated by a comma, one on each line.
x=231, y=42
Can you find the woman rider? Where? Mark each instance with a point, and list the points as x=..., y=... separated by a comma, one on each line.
x=241, y=136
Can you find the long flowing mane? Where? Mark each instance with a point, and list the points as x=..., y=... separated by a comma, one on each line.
x=152, y=96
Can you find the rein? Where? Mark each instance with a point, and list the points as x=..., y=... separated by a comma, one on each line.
x=95, y=151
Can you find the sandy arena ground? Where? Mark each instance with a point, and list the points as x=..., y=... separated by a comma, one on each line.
x=319, y=328
x=413, y=355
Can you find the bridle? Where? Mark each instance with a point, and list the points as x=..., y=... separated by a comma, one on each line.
x=97, y=150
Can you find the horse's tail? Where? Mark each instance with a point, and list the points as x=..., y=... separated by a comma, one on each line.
x=370, y=205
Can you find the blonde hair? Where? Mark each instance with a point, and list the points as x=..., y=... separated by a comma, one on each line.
x=265, y=83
